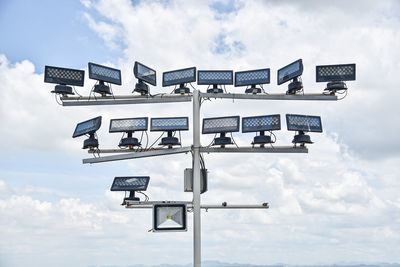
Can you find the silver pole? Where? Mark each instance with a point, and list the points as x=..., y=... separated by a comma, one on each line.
x=196, y=181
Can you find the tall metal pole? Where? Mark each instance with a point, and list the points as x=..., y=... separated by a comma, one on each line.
x=196, y=181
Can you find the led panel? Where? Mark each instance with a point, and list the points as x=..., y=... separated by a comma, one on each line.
x=130, y=183
x=179, y=76
x=87, y=127
x=332, y=73
x=145, y=73
x=210, y=77
x=169, y=124
x=63, y=76
x=261, y=123
x=290, y=71
x=303, y=123
x=105, y=74
x=169, y=217
x=128, y=125
x=221, y=125
x=251, y=77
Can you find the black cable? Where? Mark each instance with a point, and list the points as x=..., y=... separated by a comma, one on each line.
x=146, y=196
x=180, y=138
x=192, y=86
x=76, y=91
x=212, y=141
x=156, y=140
x=112, y=93
x=147, y=140
x=234, y=140
x=57, y=100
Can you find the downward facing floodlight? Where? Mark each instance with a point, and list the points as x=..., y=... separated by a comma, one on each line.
x=169, y=125
x=88, y=127
x=221, y=125
x=214, y=78
x=335, y=75
x=169, y=217
x=131, y=184
x=128, y=126
x=144, y=75
x=302, y=124
x=252, y=78
x=63, y=77
x=289, y=72
x=261, y=124
x=104, y=74
x=180, y=77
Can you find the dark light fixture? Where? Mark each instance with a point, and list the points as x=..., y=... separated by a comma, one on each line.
x=169, y=125
x=131, y=184
x=261, y=124
x=180, y=77
x=302, y=124
x=104, y=74
x=63, y=77
x=129, y=126
x=88, y=127
x=214, y=78
x=144, y=75
x=289, y=72
x=169, y=217
x=335, y=75
x=252, y=78
x=221, y=125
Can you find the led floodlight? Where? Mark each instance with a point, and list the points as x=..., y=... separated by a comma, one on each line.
x=214, y=78
x=103, y=74
x=261, y=124
x=303, y=123
x=144, y=74
x=63, y=77
x=252, y=78
x=131, y=184
x=221, y=125
x=180, y=77
x=88, y=127
x=128, y=126
x=169, y=217
x=289, y=72
x=335, y=75
x=169, y=125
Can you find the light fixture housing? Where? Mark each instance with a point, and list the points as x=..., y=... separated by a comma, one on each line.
x=335, y=75
x=302, y=124
x=261, y=124
x=104, y=74
x=144, y=74
x=214, y=78
x=169, y=125
x=252, y=78
x=169, y=217
x=292, y=71
x=88, y=127
x=221, y=125
x=131, y=184
x=63, y=77
x=129, y=126
x=179, y=77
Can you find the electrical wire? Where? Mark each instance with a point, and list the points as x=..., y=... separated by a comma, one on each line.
x=234, y=140
x=76, y=91
x=212, y=141
x=180, y=139
x=146, y=196
x=58, y=100
x=156, y=141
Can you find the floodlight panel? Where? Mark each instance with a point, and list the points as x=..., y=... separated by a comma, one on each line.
x=128, y=125
x=303, y=123
x=290, y=71
x=169, y=217
x=221, y=125
x=333, y=73
x=87, y=127
x=211, y=77
x=63, y=76
x=252, y=77
x=261, y=123
x=105, y=74
x=145, y=73
x=175, y=77
x=130, y=183
x=169, y=124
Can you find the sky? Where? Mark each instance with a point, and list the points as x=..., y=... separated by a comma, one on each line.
x=339, y=203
